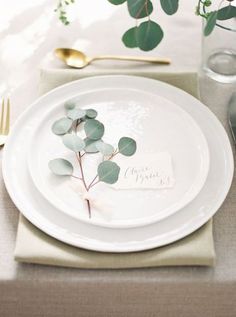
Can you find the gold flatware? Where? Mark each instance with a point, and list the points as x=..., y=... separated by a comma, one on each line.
x=4, y=121
x=77, y=59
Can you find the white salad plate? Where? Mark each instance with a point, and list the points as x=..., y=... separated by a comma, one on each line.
x=157, y=124
x=72, y=230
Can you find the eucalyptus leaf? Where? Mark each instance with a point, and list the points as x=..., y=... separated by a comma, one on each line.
x=108, y=172
x=127, y=146
x=116, y=2
x=90, y=145
x=130, y=38
x=105, y=148
x=139, y=8
x=91, y=113
x=73, y=142
x=76, y=114
x=149, y=35
x=62, y=126
x=170, y=6
x=61, y=167
x=69, y=105
x=94, y=129
x=226, y=13
x=210, y=24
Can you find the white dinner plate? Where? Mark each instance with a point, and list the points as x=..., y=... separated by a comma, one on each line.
x=78, y=233
x=157, y=124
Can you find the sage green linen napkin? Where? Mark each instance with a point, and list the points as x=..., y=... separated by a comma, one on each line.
x=34, y=246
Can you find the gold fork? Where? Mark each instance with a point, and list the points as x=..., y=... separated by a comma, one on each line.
x=4, y=121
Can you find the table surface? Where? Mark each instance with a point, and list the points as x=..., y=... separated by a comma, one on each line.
x=29, y=32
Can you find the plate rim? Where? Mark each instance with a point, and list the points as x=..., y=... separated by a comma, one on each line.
x=183, y=234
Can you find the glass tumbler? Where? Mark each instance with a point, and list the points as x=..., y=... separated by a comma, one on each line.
x=219, y=52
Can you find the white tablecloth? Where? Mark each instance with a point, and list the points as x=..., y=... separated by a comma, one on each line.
x=27, y=37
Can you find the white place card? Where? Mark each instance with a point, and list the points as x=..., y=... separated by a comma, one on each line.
x=145, y=171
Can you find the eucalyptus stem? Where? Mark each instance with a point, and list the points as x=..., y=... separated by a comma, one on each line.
x=78, y=155
x=94, y=183
x=89, y=207
x=113, y=155
x=91, y=184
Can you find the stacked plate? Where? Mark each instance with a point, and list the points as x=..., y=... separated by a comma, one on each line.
x=161, y=118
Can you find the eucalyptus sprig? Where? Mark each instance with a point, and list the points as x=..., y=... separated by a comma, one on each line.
x=67, y=128
x=61, y=9
x=225, y=11
x=148, y=34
